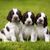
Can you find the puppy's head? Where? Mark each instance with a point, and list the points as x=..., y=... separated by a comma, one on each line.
x=28, y=18
x=14, y=15
x=41, y=19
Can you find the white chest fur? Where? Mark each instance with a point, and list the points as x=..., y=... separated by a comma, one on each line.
x=41, y=31
x=28, y=30
x=14, y=29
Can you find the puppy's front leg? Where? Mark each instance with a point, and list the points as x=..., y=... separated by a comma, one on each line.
x=21, y=37
x=47, y=37
x=33, y=37
x=13, y=37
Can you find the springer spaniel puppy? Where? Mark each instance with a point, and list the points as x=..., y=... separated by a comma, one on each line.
x=28, y=32
x=41, y=25
x=13, y=27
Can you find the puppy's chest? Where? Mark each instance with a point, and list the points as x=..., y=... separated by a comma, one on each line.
x=17, y=28
x=40, y=31
x=28, y=30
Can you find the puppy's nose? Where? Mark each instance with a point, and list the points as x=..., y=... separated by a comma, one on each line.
x=40, y=20
x=28, y=22
x=15, y=18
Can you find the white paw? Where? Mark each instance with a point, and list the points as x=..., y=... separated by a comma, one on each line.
x=22, y=41
x=33, y=40
x=6, y=40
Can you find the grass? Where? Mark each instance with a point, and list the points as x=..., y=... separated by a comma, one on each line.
x=39, y=45
x=24, y=5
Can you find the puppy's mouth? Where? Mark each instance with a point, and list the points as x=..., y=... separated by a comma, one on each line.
x=16, y=20
x=28, y=24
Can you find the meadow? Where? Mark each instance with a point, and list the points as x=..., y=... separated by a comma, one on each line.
x=35, y=6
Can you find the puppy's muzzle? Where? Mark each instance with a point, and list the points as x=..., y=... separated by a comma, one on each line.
x=40, y=20
x=28, y=22
x=15, y=18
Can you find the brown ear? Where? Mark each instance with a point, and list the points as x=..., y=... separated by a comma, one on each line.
x=20, y=14
x=37, y=16
x=45, y=21
x=9, y=17
x=33, y=18
x=23, y=17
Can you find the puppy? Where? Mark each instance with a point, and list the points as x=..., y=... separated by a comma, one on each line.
x=13, y=27
x=41, y=25
x=28, y=32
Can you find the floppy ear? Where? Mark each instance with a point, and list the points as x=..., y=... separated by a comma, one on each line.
x=45, y=21
x=37, y=16
x=24, y=17
x=9, y=17
x=20, y=14
x=33, y=18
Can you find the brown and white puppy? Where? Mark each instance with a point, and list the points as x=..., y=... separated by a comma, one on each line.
x=28, y=32
x=13, y=27
x=41, y=25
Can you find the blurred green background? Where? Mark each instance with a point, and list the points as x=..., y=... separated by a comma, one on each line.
x=35, y=6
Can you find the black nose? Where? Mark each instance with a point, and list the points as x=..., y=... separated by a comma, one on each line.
x=15, y=18
x=40, y=20
x=28, y=22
